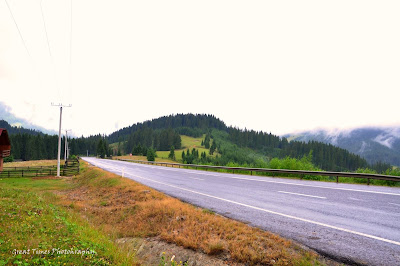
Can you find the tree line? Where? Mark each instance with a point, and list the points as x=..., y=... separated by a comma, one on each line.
x=325, y=156
x=145, y=138
x=164, y=132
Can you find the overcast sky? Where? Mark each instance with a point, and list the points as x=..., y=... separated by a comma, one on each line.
x=276, y=66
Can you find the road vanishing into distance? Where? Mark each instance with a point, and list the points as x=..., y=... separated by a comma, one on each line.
x=354, y=224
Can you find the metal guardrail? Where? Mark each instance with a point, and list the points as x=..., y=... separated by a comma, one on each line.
x=300, y=173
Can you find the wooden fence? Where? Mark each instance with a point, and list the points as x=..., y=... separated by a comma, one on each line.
x=70, y=168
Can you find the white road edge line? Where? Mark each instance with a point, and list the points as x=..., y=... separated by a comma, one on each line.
x=305, y=195
x=276, y=213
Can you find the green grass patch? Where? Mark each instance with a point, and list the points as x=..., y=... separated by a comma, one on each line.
x=35, y=230
x=187, y=143
x=190, y=142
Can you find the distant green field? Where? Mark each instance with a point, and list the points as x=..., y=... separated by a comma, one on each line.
x=187, y=143
x=190, y=142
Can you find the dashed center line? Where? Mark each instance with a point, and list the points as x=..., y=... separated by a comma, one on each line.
x=267, y=181
x=356, y=199
x=304, y=195
x=394, y=204
x=195, y=178
x=271, y=212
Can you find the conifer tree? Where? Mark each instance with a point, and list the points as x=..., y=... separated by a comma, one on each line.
x=213, y=147
x=171, y=154
x=183, y=157
x=207, y=141
x=151, y=155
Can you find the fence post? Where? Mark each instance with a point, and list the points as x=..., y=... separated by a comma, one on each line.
x=337, y=179
x=22, y=173
x=368, y=181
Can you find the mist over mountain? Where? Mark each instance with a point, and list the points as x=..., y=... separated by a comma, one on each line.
x=373, y=143
x=15, y=122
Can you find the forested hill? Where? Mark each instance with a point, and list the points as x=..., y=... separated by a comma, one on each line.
x=234, y=145
x=372, y=143
x=185, y=124
x=14, y=130
x=325, y=156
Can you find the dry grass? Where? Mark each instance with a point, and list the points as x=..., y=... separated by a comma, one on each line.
x=32, y=163
x=124, y=208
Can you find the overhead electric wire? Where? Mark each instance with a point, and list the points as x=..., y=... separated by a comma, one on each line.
x=45, y=29
x=70, y=54
x=34, y=66
x=19, y=31
x=49, y=48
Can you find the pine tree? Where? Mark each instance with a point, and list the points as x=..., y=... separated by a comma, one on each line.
x=171, y=154
x=213, y=147
x=207, y=141
x=151, y=155
x=183, y=157
x=101, y=151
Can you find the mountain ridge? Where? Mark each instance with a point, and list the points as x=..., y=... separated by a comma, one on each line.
x=15, y=122
x=371, y=142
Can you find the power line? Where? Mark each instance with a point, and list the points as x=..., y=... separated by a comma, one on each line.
x=70, y=54
x=48, y=46
x=33, y=64
x=19, y=31
x=45, y=30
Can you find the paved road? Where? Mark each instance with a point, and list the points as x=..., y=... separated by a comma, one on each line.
x=351, y=223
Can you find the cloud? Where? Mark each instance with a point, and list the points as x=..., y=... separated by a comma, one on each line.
x=388, y=137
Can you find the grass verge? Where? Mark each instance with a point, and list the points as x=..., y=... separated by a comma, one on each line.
x=124, y=208
x=36, y=230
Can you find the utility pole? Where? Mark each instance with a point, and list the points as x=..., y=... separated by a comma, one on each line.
x=59, y=136
x=66, y=150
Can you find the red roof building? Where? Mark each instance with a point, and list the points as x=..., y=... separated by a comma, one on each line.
x=5, y=146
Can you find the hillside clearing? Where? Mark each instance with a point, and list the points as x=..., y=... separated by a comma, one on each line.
x=187, y=143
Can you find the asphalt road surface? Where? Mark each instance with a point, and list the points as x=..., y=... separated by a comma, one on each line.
x=355, y=224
